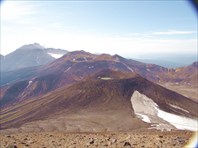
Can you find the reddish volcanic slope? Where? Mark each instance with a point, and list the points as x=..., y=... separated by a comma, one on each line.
x=71, y=68
x=105, y=95
x=77, y=65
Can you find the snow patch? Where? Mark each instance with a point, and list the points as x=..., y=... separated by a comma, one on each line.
x=148, y=69
x=179, y=122
x=144, y=118
x=85, y=58
x=55, y=55
x=67, y=69
x=148, y=111
x=29, y=83
x=105, y=78
x=177, y=107
x=129, y=68
x=91, y=67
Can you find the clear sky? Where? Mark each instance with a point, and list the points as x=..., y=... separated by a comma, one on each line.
x=128, y=28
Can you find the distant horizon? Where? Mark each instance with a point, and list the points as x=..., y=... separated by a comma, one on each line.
x=106, y=52
x=166, y=60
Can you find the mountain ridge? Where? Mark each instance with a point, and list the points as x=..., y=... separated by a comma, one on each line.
x=75, y=66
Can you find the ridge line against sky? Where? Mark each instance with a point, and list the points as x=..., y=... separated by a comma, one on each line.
x=115, y=27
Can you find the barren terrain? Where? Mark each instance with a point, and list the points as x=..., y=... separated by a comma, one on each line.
x=190, y=92
x=138, y=139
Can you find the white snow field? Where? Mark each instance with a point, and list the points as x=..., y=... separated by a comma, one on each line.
x=54, y=55
x=148, y=111
x=105, y=78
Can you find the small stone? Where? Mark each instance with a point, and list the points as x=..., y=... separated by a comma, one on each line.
x=135, y=144
x=11, y=146
x=107, y=139
x=91, y=141
x=23, y=143
x=30, y=142
x=128, y=137
x=109, y=143
x=127, y=145
x=181, y=141
x=105, y=144
x=88, y=144
x=113, y=140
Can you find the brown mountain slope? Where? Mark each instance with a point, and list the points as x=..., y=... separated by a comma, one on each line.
x=183, y=80
x=96, y=103
x=77, y=65
x=182, y=76
x=71, y=68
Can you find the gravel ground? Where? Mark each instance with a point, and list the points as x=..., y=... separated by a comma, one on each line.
x=136, y=139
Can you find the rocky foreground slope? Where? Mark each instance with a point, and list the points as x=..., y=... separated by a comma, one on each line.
x=136, y=139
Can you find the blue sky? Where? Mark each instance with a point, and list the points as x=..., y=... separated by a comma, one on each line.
x=128, y=28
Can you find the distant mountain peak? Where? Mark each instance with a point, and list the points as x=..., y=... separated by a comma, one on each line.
x=116, y=56
x=30, y=55
x=79, y=52
x=31, y=46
